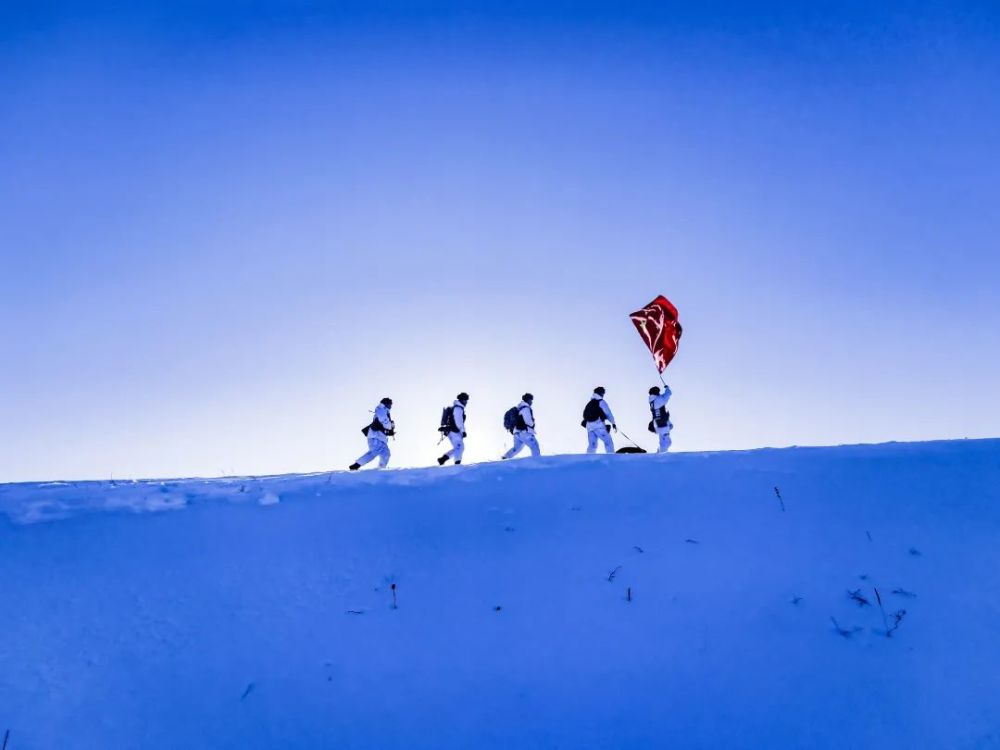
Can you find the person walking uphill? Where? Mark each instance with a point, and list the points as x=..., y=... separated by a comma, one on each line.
x=453, y=427
x=520, y=420
x=378, y=434
x=594, y=415
x=660, y=423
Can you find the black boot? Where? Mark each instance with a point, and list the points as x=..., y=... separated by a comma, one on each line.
x=441, y=461
x=354, y=467
x=459, y=461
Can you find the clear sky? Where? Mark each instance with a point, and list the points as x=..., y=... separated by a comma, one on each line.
x=227, y=229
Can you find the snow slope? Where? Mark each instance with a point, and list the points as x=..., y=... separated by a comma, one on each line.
x=243, y=613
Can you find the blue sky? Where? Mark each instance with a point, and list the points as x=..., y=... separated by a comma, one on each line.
x=228, y=229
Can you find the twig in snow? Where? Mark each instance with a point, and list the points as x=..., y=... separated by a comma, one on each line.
x=247, y=691
x=692, y=541
x=394, y=605
x=897, y=617
x=355, y=612
x=6, y=736
x=914, y=551
x=638, y=549
x=613, y=573
x=498, y=608
x=858, y=597
x=843, y=631
x=904, y=592
x=796, y=598
x=778, y=493
x=628, y=594
x=869, y=535
x=885, y=622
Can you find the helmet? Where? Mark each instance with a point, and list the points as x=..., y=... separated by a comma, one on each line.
x=463, y=397
x=599, y=390
x=527, y=397
x=386, y=402
x=654, y=391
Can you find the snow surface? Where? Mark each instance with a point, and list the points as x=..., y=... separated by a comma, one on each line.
x=257, y=613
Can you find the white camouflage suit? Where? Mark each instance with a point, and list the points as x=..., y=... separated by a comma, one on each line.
x=598, y=429
x=378, y=441
x=457, y=439
x=663, y=433
x=525, y=437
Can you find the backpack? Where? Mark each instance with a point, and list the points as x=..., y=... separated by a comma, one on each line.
x=448, y=423
x=593, y=412
x=376, y=426
x=512, y=418
x=447, y=420
x=661, y=417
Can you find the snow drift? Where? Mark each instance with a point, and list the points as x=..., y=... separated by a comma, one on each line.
x=684, y=601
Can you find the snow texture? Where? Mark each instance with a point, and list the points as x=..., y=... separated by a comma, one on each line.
x=678, y=601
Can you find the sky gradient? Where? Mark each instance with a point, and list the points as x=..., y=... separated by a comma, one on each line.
x=227, y=229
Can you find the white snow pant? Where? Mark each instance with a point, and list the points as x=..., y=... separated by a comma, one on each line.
x=376, y=449
x=664, y=440
x=599, y=433
x=457, y=446
x=524, y=438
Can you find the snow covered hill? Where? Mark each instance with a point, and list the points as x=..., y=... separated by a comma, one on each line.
x=565, y=602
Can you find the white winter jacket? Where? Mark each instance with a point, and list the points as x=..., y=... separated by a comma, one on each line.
x=458, y=415
x=660, y=402
x=524, y=409
x=383, y=418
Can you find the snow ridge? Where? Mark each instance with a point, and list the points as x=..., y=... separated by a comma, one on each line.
x=810, y=597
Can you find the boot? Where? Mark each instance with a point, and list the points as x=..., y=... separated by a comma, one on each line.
x=457, y=463
x=441, y=461
x=354, y=467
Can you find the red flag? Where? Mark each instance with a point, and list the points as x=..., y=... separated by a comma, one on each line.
x=658, y=325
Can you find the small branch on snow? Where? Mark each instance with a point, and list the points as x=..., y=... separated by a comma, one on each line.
x=905, y=593
x=878, y=598
x=778, y=493
x=6, y=736
x=691, y=541
x=914, y=551
x=628, y=594
x=355, y=612
x=859, y=598
x=613, y=573
x=796, y=598
x=869, y=535
x=897, y=617
x=638, y=549
x=247, y=691
x=394, y=604
x=843, y=631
